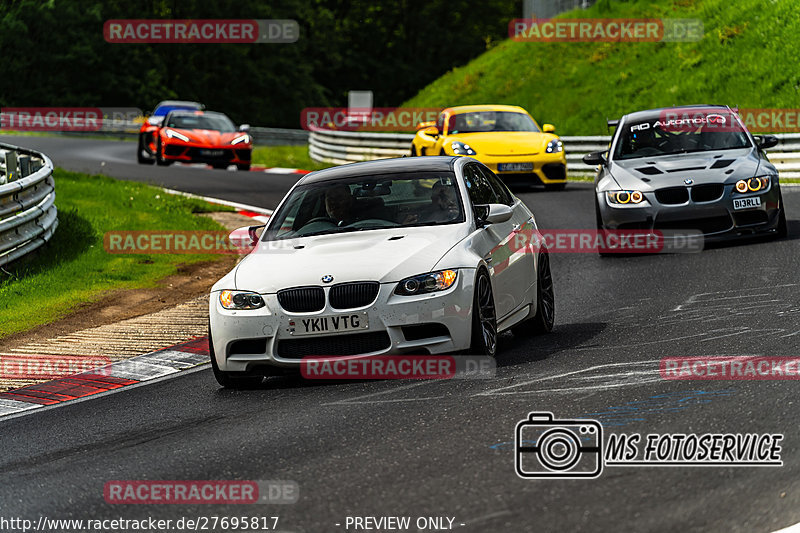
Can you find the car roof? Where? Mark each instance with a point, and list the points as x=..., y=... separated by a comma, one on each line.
x=649, y=114
x=486, y=107
x=181, y=103
x=383, y=166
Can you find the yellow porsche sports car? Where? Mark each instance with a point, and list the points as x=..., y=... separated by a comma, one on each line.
x=505, y=138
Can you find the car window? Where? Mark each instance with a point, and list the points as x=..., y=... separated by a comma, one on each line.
x=478, y=187
x=504, y=196
x=219, y=123
x=364, y=203
x=440, y=122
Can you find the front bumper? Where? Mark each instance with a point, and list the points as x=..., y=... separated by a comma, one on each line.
x=547, y=168
x=194, y=153
x=716, y=220
x=246, y=340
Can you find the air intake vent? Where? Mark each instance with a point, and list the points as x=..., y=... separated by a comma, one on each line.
x=722, y=163
x=672, y=195
x=350, y=344
x=650, y=171
x=707, y=193
x=687, y=169
x=302, y=299
x=352, y=295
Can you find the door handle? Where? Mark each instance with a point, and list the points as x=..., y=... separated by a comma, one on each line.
x=517, y=227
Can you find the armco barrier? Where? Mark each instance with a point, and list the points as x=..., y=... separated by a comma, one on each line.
x=340, y=147
x=28, y=215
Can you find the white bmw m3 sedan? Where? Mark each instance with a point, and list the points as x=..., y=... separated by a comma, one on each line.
x=411, y=256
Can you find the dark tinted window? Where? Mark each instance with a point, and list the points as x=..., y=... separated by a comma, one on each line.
x=478, y=187
x=503, y=194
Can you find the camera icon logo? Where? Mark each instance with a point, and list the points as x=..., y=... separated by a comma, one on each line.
x=566, y=449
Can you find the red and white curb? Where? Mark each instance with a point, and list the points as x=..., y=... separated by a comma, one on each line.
x=253, y=168
x=278, y=170
x=258, y=213
x=142, y=368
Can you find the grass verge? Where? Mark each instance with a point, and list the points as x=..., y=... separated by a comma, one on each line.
x=744, y=59
x=74, y=268
x=287, y=157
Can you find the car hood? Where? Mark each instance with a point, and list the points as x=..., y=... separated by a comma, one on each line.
x=650, y=173
x=210, y=137
x=505, y=142
x=384, y=255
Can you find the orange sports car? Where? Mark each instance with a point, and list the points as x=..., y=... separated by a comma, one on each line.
x=203, y=137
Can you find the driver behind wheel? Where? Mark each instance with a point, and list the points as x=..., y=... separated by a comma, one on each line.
x=343, y=208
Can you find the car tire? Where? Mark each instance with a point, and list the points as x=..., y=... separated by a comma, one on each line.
x=413, y=151
x=484, y=317
x=244, y=166
x=231, y=380
x=442, y=152
x=555, y=186
x=141, y=158
x=600, y=227
x=544, y=319
x=219, y=166
x=783, y=226
x=160, y=161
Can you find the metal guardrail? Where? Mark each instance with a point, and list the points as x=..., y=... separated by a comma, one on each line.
x=129, y=129
x=28, y=215
x=126, y=129
x=340, y=147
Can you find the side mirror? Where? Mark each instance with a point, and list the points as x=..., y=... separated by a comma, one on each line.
x=423, y=125
x=595, y=158
x=245, y=238
x=496, y=213
x=433, y=131
x=244, y=127
x=766, y=141
x=548, y=128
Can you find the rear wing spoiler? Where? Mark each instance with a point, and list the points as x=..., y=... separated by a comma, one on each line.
x=612, y=123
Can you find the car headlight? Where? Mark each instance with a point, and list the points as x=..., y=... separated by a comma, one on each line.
x=172, y=134
x=625, y=197
x=554, y=146
x=431, y=282
x=241, y=139
x=460, y=148
x=236, y=300
x=752, y=185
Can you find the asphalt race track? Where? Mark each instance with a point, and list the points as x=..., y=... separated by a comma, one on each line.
x=445, y=447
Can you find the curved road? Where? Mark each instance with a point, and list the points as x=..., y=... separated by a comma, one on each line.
x=445, y=448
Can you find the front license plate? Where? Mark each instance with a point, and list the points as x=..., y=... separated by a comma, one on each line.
x=212, y=153
x=514, y=167
x=322, y=325
x=746, y=203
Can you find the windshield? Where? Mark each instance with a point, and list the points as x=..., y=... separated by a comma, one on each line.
x=219, y=122
x=481, y=121
x=162, y=111
x=661, y=136
x=367, y=203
